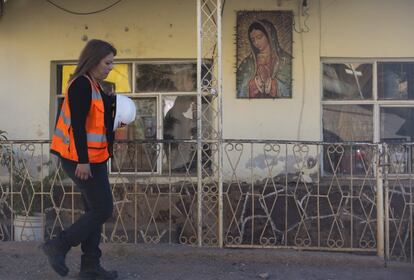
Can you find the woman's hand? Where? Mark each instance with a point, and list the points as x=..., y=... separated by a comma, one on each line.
x=83, y=171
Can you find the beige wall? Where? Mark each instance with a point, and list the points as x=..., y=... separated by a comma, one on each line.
x=367, y=28
x=34, y=33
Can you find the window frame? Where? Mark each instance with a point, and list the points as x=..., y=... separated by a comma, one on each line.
x=375, y=101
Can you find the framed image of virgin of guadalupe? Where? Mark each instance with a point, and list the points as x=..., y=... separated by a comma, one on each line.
x=264, y=54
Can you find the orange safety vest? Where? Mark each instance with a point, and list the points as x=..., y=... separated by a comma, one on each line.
x=63, y=141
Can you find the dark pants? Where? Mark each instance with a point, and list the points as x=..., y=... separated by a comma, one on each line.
x=97, y=199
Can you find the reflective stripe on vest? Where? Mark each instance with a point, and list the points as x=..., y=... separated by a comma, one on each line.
x=91, y=137
x=66, y=119
x=59, y=133
x=96, y=95
x=63, y=140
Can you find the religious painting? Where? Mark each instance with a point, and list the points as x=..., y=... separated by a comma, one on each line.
x=264, y=54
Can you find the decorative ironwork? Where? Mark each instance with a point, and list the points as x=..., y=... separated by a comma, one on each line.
x=278, y=194
x=209, y=122
x=399, y=202
x=288, y=201
x=148, y=207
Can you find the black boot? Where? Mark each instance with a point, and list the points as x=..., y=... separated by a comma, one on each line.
x=56, y=253
x=92, y=270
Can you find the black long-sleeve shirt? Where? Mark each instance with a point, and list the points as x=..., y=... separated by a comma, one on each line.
x=80, y=98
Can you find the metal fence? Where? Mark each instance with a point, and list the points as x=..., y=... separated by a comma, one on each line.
x=399, y=201
x=273, y=194
x=301, y=195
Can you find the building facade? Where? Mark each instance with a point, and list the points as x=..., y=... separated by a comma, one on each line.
x=349, y=79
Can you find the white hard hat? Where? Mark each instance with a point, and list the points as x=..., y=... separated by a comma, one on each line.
x=125, y=111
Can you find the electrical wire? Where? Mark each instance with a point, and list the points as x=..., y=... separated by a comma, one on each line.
x=83, y=13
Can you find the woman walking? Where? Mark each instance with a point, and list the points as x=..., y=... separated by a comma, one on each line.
x=83, y=140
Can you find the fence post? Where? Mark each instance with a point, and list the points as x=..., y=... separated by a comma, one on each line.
x=380, y=201
x=199, y=123
x=220, y=126
x=386, y=203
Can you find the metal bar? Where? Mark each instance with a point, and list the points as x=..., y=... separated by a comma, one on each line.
x=135, y=194
x=246, y=141
x=318, y=211
x=380, y=204
x=225, y=140
x=351, y=194
x=199, y=116
x=411, y=207
x=12, y=215
x=301, y=248
x=41, y=191
x=252, y=191
x=169, y=194
x=286, y=196
x=411, y=243
x=220, y=126
x=386, y=204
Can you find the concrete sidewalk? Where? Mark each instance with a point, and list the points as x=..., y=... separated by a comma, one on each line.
x=23, y=260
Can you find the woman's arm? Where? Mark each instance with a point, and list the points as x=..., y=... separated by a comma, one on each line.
x=80, y=98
